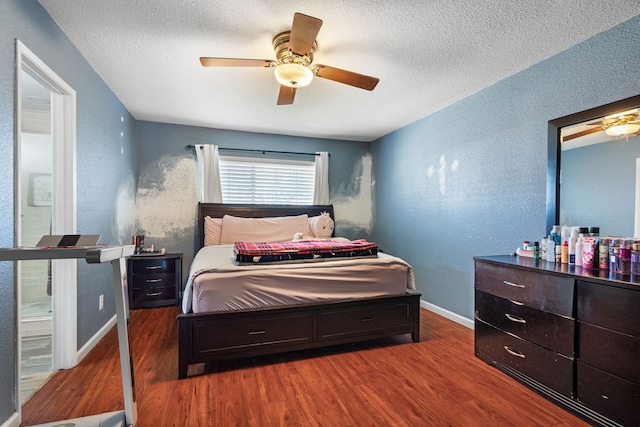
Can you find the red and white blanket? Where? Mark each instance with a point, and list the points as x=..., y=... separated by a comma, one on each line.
x=261, y=252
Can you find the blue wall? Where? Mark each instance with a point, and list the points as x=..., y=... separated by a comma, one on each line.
x=471, y=179
x=105, y=170
x=167, y=190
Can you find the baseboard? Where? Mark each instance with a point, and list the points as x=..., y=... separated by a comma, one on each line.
x=96, y=338
x=13, y=421
x=447, y=314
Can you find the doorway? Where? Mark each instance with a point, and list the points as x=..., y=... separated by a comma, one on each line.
x=45, y=204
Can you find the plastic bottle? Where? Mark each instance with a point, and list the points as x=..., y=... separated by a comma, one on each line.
x=536, y=251
x=624, y=262
x=578, y=250
x=614, y=251
x=572, y=250
x=543, y=248
x=603, y=254
x=635, y=258
x=558, y=257
x=564, y=253
x=551, y=252
x=555, y=233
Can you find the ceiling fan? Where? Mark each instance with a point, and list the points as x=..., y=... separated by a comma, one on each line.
x=294, y=56
x=623, y=124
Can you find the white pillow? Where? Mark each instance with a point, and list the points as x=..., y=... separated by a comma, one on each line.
x=276, y=229
x=212, y=230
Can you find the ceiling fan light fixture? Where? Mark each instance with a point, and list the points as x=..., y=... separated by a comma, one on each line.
x=293, y=75
x=623, y=129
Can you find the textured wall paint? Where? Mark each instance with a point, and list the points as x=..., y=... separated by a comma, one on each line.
x=490, y=193
x=105, y=172
x=352, y=202
x=166, y=200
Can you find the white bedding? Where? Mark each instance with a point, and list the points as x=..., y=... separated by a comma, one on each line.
x=216, y=283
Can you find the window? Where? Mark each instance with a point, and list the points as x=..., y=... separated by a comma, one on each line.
x=267, y=181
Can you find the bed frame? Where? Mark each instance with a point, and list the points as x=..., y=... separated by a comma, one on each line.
x=209, y=337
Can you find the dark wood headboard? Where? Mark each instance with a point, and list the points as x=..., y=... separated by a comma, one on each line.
x=218, y=210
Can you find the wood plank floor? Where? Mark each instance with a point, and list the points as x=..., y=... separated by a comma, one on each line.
x=390, y=382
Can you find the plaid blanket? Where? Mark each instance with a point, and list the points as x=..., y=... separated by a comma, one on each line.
x=262, y=252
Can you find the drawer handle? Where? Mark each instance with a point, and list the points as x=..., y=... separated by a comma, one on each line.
x=514, y=352
x=516, y=302
x=153, y=267
x=153, y=280
x=154, y=294
x=367, y=319
x=515, y=285
x=257, y=332
x=515, y=318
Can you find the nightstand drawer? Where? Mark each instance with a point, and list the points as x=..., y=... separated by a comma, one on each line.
x=153, y=294
x=152, y=265
x=543, y=291
x=155, y=279
x=548, y=330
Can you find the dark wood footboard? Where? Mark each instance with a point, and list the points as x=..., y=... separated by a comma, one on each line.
x=208, y=337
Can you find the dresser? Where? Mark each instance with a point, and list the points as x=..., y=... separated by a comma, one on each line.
x=154, y=280
x=570, y=334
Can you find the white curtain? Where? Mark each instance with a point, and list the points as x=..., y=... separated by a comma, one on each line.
x=321, y=192
x=209, y=173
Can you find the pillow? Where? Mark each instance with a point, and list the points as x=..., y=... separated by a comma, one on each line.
x=212, y=230
x=276, y=229
x=321, y=225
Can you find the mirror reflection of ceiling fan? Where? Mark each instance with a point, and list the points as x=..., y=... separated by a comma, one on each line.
x=615, y=125
x=294, y=56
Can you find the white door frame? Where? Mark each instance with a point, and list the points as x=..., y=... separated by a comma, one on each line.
x=63, y=209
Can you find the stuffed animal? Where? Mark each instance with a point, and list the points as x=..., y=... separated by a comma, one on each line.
x=322, y=225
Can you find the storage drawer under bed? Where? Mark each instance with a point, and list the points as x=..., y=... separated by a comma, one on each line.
x=241, y=333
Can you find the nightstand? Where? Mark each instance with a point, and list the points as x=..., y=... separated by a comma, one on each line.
x=154, y=280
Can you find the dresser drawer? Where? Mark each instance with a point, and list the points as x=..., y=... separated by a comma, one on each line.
x=547, y=330
x=609, y=351
x=153, y=265
x=542, y=365
x=375, y=318
x=609, y=395
x=258, y=330
x=154, y=279
x=150, y=296
x=547, y=292
x=610, y=307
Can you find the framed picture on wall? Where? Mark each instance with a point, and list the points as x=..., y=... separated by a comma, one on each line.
x=39, y=189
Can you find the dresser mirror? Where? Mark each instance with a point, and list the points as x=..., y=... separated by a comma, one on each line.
x=594, y=169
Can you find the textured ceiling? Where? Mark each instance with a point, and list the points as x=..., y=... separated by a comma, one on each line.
x=427, y=54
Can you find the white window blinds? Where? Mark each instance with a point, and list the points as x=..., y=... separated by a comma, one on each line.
x=267, y=181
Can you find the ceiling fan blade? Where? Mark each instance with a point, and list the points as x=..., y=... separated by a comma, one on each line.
x=303, y=33
x=236, y=62
x=286, y=95
x=347, y=77
x=580, y=134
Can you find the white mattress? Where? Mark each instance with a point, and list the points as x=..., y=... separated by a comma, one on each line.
x=216, y=283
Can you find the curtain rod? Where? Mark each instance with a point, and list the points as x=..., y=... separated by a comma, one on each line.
x=248, y=150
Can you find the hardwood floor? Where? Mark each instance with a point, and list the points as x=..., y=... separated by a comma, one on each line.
x=390, y=382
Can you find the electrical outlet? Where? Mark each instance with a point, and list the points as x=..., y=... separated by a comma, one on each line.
x=101, y=302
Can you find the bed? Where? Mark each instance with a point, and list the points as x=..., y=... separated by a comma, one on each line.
x=305, y=305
